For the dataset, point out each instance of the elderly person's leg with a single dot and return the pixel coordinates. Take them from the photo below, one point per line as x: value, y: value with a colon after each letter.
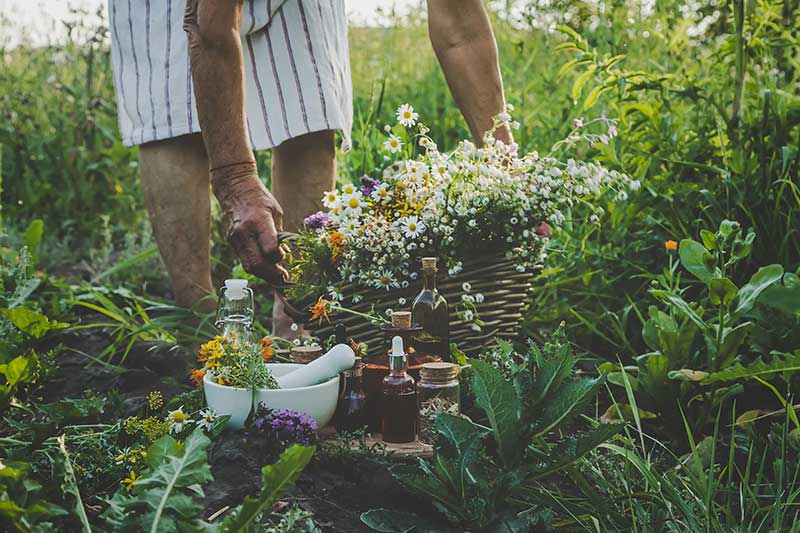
x: 303, y: 168
x: 175, y: 181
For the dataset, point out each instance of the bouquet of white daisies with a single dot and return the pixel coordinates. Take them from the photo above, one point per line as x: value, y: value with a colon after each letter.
x: 472, y: 200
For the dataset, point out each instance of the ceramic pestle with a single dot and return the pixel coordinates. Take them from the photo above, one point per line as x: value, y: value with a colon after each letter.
x: 339, y: 358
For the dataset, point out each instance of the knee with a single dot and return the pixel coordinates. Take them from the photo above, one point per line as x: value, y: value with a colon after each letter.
x: 314, y: 145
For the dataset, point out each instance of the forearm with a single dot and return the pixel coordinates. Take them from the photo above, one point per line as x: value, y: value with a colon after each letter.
x: 462, y: 39
x: 215, y: 53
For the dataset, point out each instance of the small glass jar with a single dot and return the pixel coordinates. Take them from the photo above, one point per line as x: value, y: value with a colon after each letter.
x: 438, y: 391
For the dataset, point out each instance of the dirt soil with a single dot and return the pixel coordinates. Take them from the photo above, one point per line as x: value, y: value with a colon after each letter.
x: 336, y: 489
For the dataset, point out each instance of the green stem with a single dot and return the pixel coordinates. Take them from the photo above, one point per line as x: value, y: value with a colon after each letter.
x: 738, y: 91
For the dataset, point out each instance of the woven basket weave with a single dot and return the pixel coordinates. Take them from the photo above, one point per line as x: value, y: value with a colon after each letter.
x: 505, y: 292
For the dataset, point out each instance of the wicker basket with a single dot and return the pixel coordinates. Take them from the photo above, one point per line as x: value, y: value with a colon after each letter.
x: 505, y: 293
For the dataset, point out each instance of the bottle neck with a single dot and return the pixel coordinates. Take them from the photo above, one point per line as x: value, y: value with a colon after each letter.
x: 397, y: 365
x: 237, y: 327
x: 429, y: 279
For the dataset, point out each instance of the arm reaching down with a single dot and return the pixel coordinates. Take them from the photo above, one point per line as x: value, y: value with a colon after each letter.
x: 251, y: 214
x: 462, y: 38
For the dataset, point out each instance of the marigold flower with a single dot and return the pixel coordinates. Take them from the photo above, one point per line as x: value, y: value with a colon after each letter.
x: 266, y: 349
x: 671, y: 245
x: 336, y: 238
x: 320, y: 310
x: 197, y: 376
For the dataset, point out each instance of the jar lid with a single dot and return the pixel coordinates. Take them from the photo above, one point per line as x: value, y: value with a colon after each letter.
x: 305, y: 354
x: 439, y: 371
x: 401, y: 319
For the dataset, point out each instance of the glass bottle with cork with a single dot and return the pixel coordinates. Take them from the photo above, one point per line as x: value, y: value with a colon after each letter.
x: 399, y: 399
x: 429, y: 310
x: 438, y: 391
x: 351, y: 409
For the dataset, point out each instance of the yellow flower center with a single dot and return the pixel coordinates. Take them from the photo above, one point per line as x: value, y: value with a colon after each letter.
x: 354, y: 202
x: 407, y: 114
x: 331, y: 197
x: 382, y: 193
x: 412, y: 227
x: 178, y: 417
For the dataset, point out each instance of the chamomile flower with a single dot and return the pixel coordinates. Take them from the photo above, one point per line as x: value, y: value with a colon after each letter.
x: 393, y: 144
x: 207, y: 418
x: 331, y: 199
x: 348, y: 189
x: 177, y: 420
x: 381, y: 193
x: 353, y: 204
x: 406, y: 115
x: 412, y: 226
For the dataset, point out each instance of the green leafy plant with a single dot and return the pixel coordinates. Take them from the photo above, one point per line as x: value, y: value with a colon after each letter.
x: 700, y: 341
x: 486, y: 477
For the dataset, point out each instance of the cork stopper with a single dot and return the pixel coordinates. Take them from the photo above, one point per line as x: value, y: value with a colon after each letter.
x: 401, y: 319
x: 439, y: 372
x: 428, y: 263
x: 305, y: 354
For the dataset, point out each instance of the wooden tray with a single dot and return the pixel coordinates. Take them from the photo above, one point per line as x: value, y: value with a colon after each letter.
x: 396, y: 451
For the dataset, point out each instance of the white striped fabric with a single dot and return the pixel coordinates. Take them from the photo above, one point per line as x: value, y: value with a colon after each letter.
x: 296, y: 59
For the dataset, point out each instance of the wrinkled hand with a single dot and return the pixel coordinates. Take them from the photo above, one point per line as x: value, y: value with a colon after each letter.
x: 252, y: 218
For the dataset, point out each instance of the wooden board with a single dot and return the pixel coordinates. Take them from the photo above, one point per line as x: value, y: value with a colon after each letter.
x: 399, y: 451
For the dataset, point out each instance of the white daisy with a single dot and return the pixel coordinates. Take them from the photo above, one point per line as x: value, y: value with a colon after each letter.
x: 348, y: 189
x: 381, y: 193
x: 412, y: 226
x: 353, y: 204
x: 406, y: 115
x: 207, y: 418
x: 393, y: 144
x: 177, y: 420
x: 331, y: 199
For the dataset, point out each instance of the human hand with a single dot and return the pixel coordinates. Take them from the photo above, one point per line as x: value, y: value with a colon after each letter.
x: 252, y: 218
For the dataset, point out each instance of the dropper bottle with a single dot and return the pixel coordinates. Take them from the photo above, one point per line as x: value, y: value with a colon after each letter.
x: 399, y: 398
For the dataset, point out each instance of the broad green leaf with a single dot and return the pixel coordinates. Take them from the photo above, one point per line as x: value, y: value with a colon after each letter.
x: 18, y: 370
x: 571, y: 449
x: 423, y: 481
x: 785, y: 297
x: 687, y: 374
x: 71, y: 484
x: 30, y: 322
x: 695, y: 259
x: 566, y: 402
x: 731, y: 342
x: 551, y: 370
x: 762, y: 279
x: 497, y: 398
x: 758, y: 368
x: 681, y: 305
x: 464, y: 440
x: 275, y: 479
x: 391, y: 521
x: 709, y: 239
x: 722, y: 291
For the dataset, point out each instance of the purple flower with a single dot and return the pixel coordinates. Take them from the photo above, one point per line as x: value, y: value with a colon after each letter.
x: 288, y: 427
x: 316, y: 221
x: 368, y: 185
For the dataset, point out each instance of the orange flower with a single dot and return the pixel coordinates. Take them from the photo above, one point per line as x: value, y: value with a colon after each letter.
x: 336, y: 239
x: 320, y: 310
x: 671, y: 245
x: 266, y: 349
x: 197, y: 376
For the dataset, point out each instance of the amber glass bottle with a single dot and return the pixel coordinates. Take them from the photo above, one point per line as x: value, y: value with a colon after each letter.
x: 399, y: 399
x: 351, y: 410
x: 429, y: 310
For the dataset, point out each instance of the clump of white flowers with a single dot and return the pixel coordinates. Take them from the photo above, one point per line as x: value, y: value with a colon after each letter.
x: 472, y: 200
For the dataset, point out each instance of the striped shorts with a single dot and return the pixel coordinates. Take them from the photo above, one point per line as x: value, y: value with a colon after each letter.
x: 296, y: 59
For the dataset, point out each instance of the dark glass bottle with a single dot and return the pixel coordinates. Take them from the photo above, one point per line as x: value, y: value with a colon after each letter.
x: 340, y: 334
x: 399, y: 399
x: 351, y: 410
x: 429, y: 310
